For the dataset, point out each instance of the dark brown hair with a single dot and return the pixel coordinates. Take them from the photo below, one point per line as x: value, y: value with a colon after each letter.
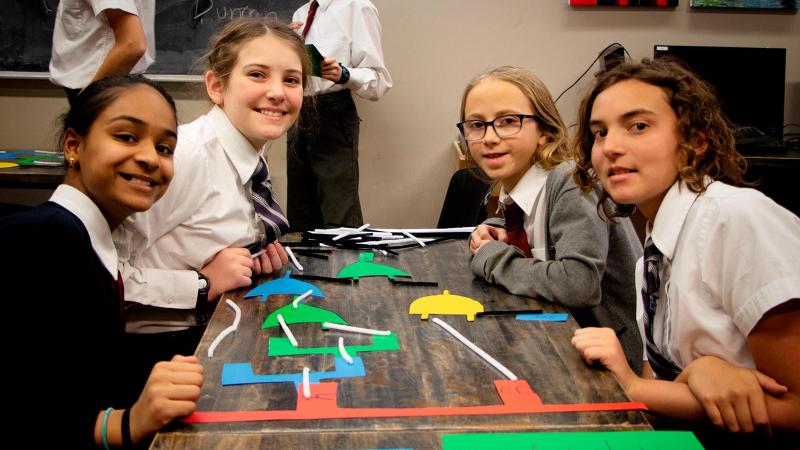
x: 699, y: 118
x: 96, y: 97
x: 225, y: 44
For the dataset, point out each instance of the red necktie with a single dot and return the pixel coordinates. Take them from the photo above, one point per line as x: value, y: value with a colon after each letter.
x: 515, y: 228
x: 312, y: 11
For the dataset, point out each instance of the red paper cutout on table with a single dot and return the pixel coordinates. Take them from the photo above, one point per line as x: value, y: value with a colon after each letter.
x: 517, y: 397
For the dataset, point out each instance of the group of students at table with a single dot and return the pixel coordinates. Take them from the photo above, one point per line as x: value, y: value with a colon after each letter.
x: 711, y: 311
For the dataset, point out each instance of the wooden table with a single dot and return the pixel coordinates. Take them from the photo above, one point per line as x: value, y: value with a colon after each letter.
x: 32, y: 177
x: 431, y: 368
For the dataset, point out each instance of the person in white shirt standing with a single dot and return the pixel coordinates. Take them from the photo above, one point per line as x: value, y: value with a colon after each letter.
x: 322, y: 162
x: 94, y: 39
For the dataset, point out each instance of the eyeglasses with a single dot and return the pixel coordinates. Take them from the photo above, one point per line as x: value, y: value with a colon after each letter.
x: 504, y: 126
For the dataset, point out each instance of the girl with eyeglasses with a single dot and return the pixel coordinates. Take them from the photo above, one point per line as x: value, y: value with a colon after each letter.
x: 551, y: 245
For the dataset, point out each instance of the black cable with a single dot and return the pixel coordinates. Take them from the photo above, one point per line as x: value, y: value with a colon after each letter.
x: 590, y: 67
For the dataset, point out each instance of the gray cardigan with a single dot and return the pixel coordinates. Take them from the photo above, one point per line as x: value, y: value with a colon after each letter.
x: 590, y: 266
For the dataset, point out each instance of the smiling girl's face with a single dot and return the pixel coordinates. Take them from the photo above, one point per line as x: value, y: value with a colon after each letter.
x: 503, y: 159
x: 124, y: 163
x: 263, y: 95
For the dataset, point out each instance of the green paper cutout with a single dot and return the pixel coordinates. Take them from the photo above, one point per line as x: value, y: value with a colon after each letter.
x: 366, y: 268
x: 280, y: 346
x: 595, y: 440
x: 302, y: 314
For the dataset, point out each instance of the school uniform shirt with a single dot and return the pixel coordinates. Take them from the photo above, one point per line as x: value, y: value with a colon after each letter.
x: 527, y: 194
x: 82, y: 37
x: 207, y: 207
x: 350, y: 32
x: 587, y: 264
x: 63, y: 327
x: 729, y: 255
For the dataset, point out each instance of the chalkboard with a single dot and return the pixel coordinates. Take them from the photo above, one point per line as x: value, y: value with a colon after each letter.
x: 183, y: 28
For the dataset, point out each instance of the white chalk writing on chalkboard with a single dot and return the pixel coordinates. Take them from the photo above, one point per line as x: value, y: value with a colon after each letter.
x: 183, y: 28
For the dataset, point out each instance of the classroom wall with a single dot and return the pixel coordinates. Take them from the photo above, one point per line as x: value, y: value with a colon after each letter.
x: 432, y: 49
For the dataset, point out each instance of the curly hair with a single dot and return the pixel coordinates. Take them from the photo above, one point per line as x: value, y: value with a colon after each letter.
x: 556, y: 150
x: 699, y: 119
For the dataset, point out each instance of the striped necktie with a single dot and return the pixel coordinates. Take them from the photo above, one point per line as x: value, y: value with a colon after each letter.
x: 266, y: 207
x: 663, y: 367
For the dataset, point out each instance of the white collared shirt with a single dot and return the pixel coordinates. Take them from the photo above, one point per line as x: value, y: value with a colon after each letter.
x: 82, y: 37
x: 93, y: 220
x: 350, y: 32
x: 730, y: 255
x: 528, y: 194
x: 207, y: 207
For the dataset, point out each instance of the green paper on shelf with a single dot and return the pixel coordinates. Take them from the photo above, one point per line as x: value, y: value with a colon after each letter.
x: 280, y: 346
x: 302, y: 314
x: 366, y: 268
x: 595, y: 440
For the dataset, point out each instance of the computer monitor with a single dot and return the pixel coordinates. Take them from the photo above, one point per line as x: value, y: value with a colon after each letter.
x: 750, y: 82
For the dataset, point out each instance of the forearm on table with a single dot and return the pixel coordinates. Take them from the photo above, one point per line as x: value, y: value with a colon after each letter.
x: 568, y: 282
x: 165, y: 288
x: 667, y: 398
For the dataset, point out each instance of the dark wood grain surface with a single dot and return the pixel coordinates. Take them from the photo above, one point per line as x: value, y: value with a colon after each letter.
x: 431, y: 368
x: 32, y: 177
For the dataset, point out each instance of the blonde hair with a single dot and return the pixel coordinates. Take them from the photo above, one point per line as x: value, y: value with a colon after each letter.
x: 555, y: 151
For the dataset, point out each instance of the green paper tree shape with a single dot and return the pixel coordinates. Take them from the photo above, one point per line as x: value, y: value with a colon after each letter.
x: 366, y: 268
x: 302, y: 314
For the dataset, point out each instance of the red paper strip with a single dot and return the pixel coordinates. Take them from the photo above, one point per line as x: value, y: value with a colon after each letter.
x: 517, y: 397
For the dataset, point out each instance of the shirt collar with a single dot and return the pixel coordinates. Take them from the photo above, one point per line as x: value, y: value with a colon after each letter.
x: 239, y: 150
x: 527, y: 189
x: 324, y: 4
x: 671, y: 216
x: 96, y: 224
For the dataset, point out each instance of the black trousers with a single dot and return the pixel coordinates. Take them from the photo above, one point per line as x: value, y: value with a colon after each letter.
x: 322, y: 165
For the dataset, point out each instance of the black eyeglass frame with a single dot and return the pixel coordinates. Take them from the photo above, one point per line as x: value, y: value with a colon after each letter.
x: 490, y: 123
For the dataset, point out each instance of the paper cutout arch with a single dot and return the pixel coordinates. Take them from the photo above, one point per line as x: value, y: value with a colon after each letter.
x: 446, y: 304
x: 302, y: 314
x: 366, y: 268
x: 283, y: 285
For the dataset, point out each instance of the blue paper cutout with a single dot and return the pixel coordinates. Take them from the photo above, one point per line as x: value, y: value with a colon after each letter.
x: 242, y: 373
x: 283, y: 285
x: 551, y: 317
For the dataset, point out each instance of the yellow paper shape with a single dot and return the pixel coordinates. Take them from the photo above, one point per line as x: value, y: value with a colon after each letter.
x: 445, y: 304
x: 7, y: 165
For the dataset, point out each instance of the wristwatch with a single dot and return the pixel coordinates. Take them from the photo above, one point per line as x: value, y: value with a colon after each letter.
x: 203, y: 286
x: 345, y: 75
